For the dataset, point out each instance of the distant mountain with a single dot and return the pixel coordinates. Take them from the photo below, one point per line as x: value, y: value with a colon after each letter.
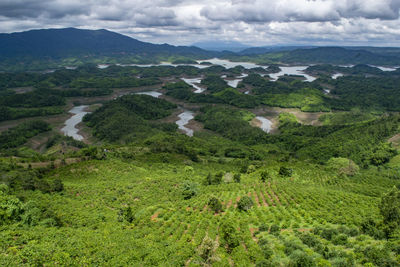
x: 338, y: 55
x: 220, y: 46
x: 56, y: 43
x: 270, y: 49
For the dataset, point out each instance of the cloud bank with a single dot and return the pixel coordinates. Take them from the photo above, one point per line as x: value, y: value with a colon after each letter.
x: 254, y: 22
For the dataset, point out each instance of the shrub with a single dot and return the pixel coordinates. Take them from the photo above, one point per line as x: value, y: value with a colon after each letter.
x: 340, y: 239
x: 228, y: 177
x: 243, y: 169
x: 214, y: 180
x: 265, y: 263
x: 206, y: 251
x: 10, y: 208
x: 125, y: 214
x: 378, y: 256
x: 215, y: 205
x: 229, y: 235
x: 390, y: 210
x: 245, y: 203
x: 300, y: 259
x: 275, y: 229
x: 43, y: 186
x: 291, y: 246
x: 370, y: 227
x: 58, y: 185
x: 342, y: 166
x: 285, y: 171
x: 265, y: 176
x: 263, y: 228
x: 267, y: 252
x: 310, y: 240
x: 329, y: 233
x: 28, y: 183
x: 237, y: 178
x: 189, y: 189
x: 32, y: 214
x: 251, y: 169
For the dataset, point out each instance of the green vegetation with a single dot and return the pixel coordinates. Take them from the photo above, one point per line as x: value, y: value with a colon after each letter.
x: 18, y: 135
x: 130, y: 117
x: 137, y: 192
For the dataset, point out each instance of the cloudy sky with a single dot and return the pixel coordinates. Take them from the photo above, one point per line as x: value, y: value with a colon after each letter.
x: 253, y: 22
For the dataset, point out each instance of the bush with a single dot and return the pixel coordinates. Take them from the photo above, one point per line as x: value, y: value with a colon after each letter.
x: 265, y: 176
x: 228, y: 178
x: 390, y: 210
x: 230, y: 235
x: 207, y: 251
x: 215, y: 205
x: 43, y: 186
x: 342, y: 166
x: 58, y: 185
x: 237, y: 178
x: 265, y: 263
x: 378, y: 256
x: 263, y: 228
x: 28, y: 183
x: 245, y: 203
x: 310, y: 240
x: 329, y: 233
x: 275, y: 229
x: 10, y: 208
x: 125, y: 214
x: 214, y: 180
x: 300, y: 259
x: 189, y: 189
x: 285, y: 171
x: 370, y: 227
x: 340, y: 239
x: 243, y: 169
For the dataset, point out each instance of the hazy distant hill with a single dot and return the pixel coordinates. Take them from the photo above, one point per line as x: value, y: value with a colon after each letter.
x: 73, y: 42
x: 270, y: 49
x: 339, y: 55
x: 222, y: 46
x: 320, y: 55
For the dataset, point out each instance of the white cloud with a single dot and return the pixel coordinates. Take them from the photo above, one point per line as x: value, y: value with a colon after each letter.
x: 254, y: 22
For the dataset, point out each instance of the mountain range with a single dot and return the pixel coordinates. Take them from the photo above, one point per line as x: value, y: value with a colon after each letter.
x: 51, y: 48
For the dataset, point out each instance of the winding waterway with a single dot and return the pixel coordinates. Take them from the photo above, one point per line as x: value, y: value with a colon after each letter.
x: 266, y: 124
x: 184, y: 119
x: 194, y: 82
x: 234, y: 83
x: 150, y: 93
x: 70, y: 125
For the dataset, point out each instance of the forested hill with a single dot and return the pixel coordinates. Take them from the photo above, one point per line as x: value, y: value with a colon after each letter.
x: 321, y: 55
x: 75, y: 42
x: 339, y: 55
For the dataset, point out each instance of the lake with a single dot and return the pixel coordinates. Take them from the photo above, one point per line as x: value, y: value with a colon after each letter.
x: 294, y: 70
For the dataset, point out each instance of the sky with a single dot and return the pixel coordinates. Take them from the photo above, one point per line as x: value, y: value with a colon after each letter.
x: 183, y: 22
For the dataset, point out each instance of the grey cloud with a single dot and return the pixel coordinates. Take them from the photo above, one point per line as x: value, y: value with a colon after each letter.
x: 48, y: 8
x: 255, y: 22
x: 301, y: 10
